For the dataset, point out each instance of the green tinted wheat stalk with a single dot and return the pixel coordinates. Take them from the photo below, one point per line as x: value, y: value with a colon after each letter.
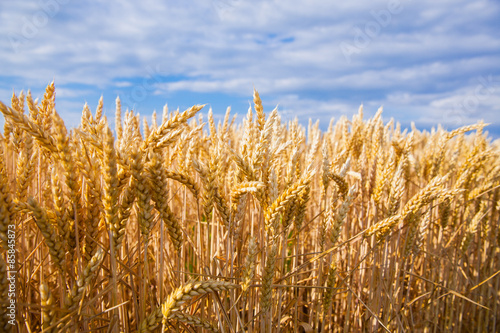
x: 267, y: 279
x: 328, y: 294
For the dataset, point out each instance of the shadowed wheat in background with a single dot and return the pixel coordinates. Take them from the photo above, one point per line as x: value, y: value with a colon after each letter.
x: 255, y: 227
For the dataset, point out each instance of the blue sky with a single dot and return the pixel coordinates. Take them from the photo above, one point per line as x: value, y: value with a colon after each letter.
x: 423, y: 61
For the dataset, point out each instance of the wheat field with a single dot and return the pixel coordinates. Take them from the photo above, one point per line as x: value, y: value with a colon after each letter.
x: 180, y: 224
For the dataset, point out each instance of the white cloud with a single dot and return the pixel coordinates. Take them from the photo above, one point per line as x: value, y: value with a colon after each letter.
x: 422, y: 57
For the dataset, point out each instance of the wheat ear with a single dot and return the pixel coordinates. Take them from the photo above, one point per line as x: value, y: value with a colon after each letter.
x: 183, y: 294
x: 271, y: 214
x: 157, y: 137
x: 423, y: 197
x: 261, y: 116
x: 24, y: 170
x: 48, y: 314
x: 267, y: 279
x: 194, y: 321
x: 84, y: 278
x: 110, y: 188
x: 330, y: 284
x: 249, y: 269
x: 145, y: 209
x: 158, y: 185
x: 21, y: 120
x: 52, y: 239
x: 337, y: 220
x: 185, y: 180
x: 472, y: 228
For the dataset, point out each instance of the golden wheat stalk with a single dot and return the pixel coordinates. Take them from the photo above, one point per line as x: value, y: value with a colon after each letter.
x: 21, y: 120
x: 191, y: 289
x: 83, y: 280
x: 52, y: 239
x: 158, y: 185
x: 157, y: 138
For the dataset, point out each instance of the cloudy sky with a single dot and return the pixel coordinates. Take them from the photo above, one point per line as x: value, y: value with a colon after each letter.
x: 423, y: 61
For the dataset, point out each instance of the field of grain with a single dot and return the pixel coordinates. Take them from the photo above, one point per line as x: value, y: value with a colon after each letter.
x: 180, y: 224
